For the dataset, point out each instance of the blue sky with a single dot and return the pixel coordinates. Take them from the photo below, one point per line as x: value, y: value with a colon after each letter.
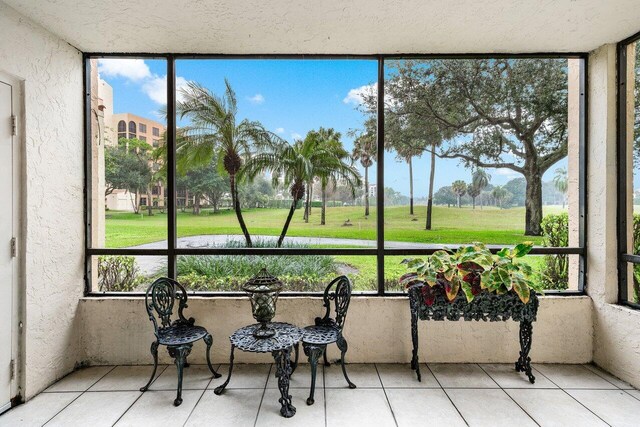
x: 290, y: 97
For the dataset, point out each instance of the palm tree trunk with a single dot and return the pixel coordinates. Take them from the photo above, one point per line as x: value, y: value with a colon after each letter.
x: 236, y: 208
x: 292, y: 209
x: 307, y: 200
x: 366, y: 191
x: 410, y: 186
x: 431, y: 177
x: 323, y: 212
x: 473, y: 202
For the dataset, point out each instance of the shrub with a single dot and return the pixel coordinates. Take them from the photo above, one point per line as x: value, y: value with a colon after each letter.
x: 555, y: 271
x: 229, y: 273
x: 117, y: 273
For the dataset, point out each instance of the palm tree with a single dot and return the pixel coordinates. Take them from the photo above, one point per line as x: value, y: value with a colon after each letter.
x: 479, y: 181
x: 329, y: 139
x: 335, y: 168
x: 500, y: 194
x: 214, y: 132
x: 295, y: 163
x: 365, y: 150
x: 459, y: 187
x: 561, y: 182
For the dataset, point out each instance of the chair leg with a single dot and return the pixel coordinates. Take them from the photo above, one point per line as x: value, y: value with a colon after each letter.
x: 208, y: 339
x: 313, y: 352
x: 154, y: 353
x: 180, y: 353
x: 326, y: 361
x: 342, y: 345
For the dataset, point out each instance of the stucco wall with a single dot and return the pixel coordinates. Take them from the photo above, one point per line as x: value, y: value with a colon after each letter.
x: 616, y: 331
x: 52, y: 241
x: 378, y: 330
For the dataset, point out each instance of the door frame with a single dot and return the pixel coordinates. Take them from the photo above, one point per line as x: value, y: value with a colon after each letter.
x: 18, y: 291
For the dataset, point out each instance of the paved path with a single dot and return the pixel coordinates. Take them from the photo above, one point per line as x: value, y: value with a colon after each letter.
x: 217, y: 240
x: 149, y: 265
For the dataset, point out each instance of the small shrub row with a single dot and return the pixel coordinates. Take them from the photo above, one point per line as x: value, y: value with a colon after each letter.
x: 118, y: 273
x: 555, y: 270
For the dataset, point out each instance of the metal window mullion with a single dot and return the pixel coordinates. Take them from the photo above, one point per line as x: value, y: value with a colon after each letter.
x: 380, y: 178
x: 86, y: 98
x: 171, y: 166
x: 582, y: 174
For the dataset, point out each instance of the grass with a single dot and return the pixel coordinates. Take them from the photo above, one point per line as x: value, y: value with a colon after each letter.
x: 450, y: 225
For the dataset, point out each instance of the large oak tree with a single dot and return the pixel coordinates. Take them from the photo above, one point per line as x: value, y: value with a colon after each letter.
x: 494, y: 113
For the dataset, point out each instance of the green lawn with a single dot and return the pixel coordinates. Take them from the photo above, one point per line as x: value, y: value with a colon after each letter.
x: 450, y: 225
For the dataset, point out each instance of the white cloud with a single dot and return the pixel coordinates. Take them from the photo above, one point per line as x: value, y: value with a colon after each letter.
x: 295, y: 136
x: 131, y: 69
x: 257, y: 99
x: 279, y: 130
x: 137, y: 71
x: 156, y: 88
x: 356, y: 96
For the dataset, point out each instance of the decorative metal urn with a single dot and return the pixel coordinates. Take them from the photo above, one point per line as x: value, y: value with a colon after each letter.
x: 263, y: 291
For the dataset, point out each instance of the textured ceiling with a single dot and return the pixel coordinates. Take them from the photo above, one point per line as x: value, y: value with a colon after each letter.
x: 335, y: 26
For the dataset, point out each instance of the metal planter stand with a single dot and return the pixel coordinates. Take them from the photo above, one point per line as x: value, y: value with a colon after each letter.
x: 485, y: 306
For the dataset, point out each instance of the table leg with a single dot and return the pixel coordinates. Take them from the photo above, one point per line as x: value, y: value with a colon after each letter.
x: 218, y: 390
x: 283, y: 373
x: 294, y: 365
x: 524, y: 361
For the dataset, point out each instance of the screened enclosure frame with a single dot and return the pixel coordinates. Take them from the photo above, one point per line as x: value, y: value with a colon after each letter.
x: 621, y: 112
x: 380, y: 252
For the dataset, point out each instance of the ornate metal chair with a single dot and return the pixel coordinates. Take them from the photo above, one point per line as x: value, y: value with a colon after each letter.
x: 177, y: 335
x: 327, y: 330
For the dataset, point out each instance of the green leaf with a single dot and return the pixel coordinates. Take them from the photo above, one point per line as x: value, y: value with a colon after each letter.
x: 413, y: 263
x: 452, y: 288
x: 520, y: 287
x: 486, y: 279
x: 503, y: 253
x: 485, y: 261
x: 436, y: 263
x: 466, y: 288
x: 522, y: 249
x: 450, y: 274
x: 430, y: 279
x: 503, y: 275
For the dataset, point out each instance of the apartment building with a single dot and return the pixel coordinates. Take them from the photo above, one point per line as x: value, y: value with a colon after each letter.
x: 130, y: 126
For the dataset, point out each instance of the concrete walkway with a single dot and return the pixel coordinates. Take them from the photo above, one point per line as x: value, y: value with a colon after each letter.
x: 151, y: 264
x: 217, y: 240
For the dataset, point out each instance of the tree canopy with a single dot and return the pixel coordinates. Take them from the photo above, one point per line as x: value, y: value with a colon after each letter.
x: 493, y: 113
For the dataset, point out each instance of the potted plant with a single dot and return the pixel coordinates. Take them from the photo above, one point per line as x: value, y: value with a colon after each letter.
x: 471, y: 283
x: 472, y: 270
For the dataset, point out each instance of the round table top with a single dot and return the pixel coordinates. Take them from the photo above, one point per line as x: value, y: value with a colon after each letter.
x: 286, y: 335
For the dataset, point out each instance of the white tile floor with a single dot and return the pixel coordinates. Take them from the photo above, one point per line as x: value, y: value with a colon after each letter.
x: 387, y: 395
